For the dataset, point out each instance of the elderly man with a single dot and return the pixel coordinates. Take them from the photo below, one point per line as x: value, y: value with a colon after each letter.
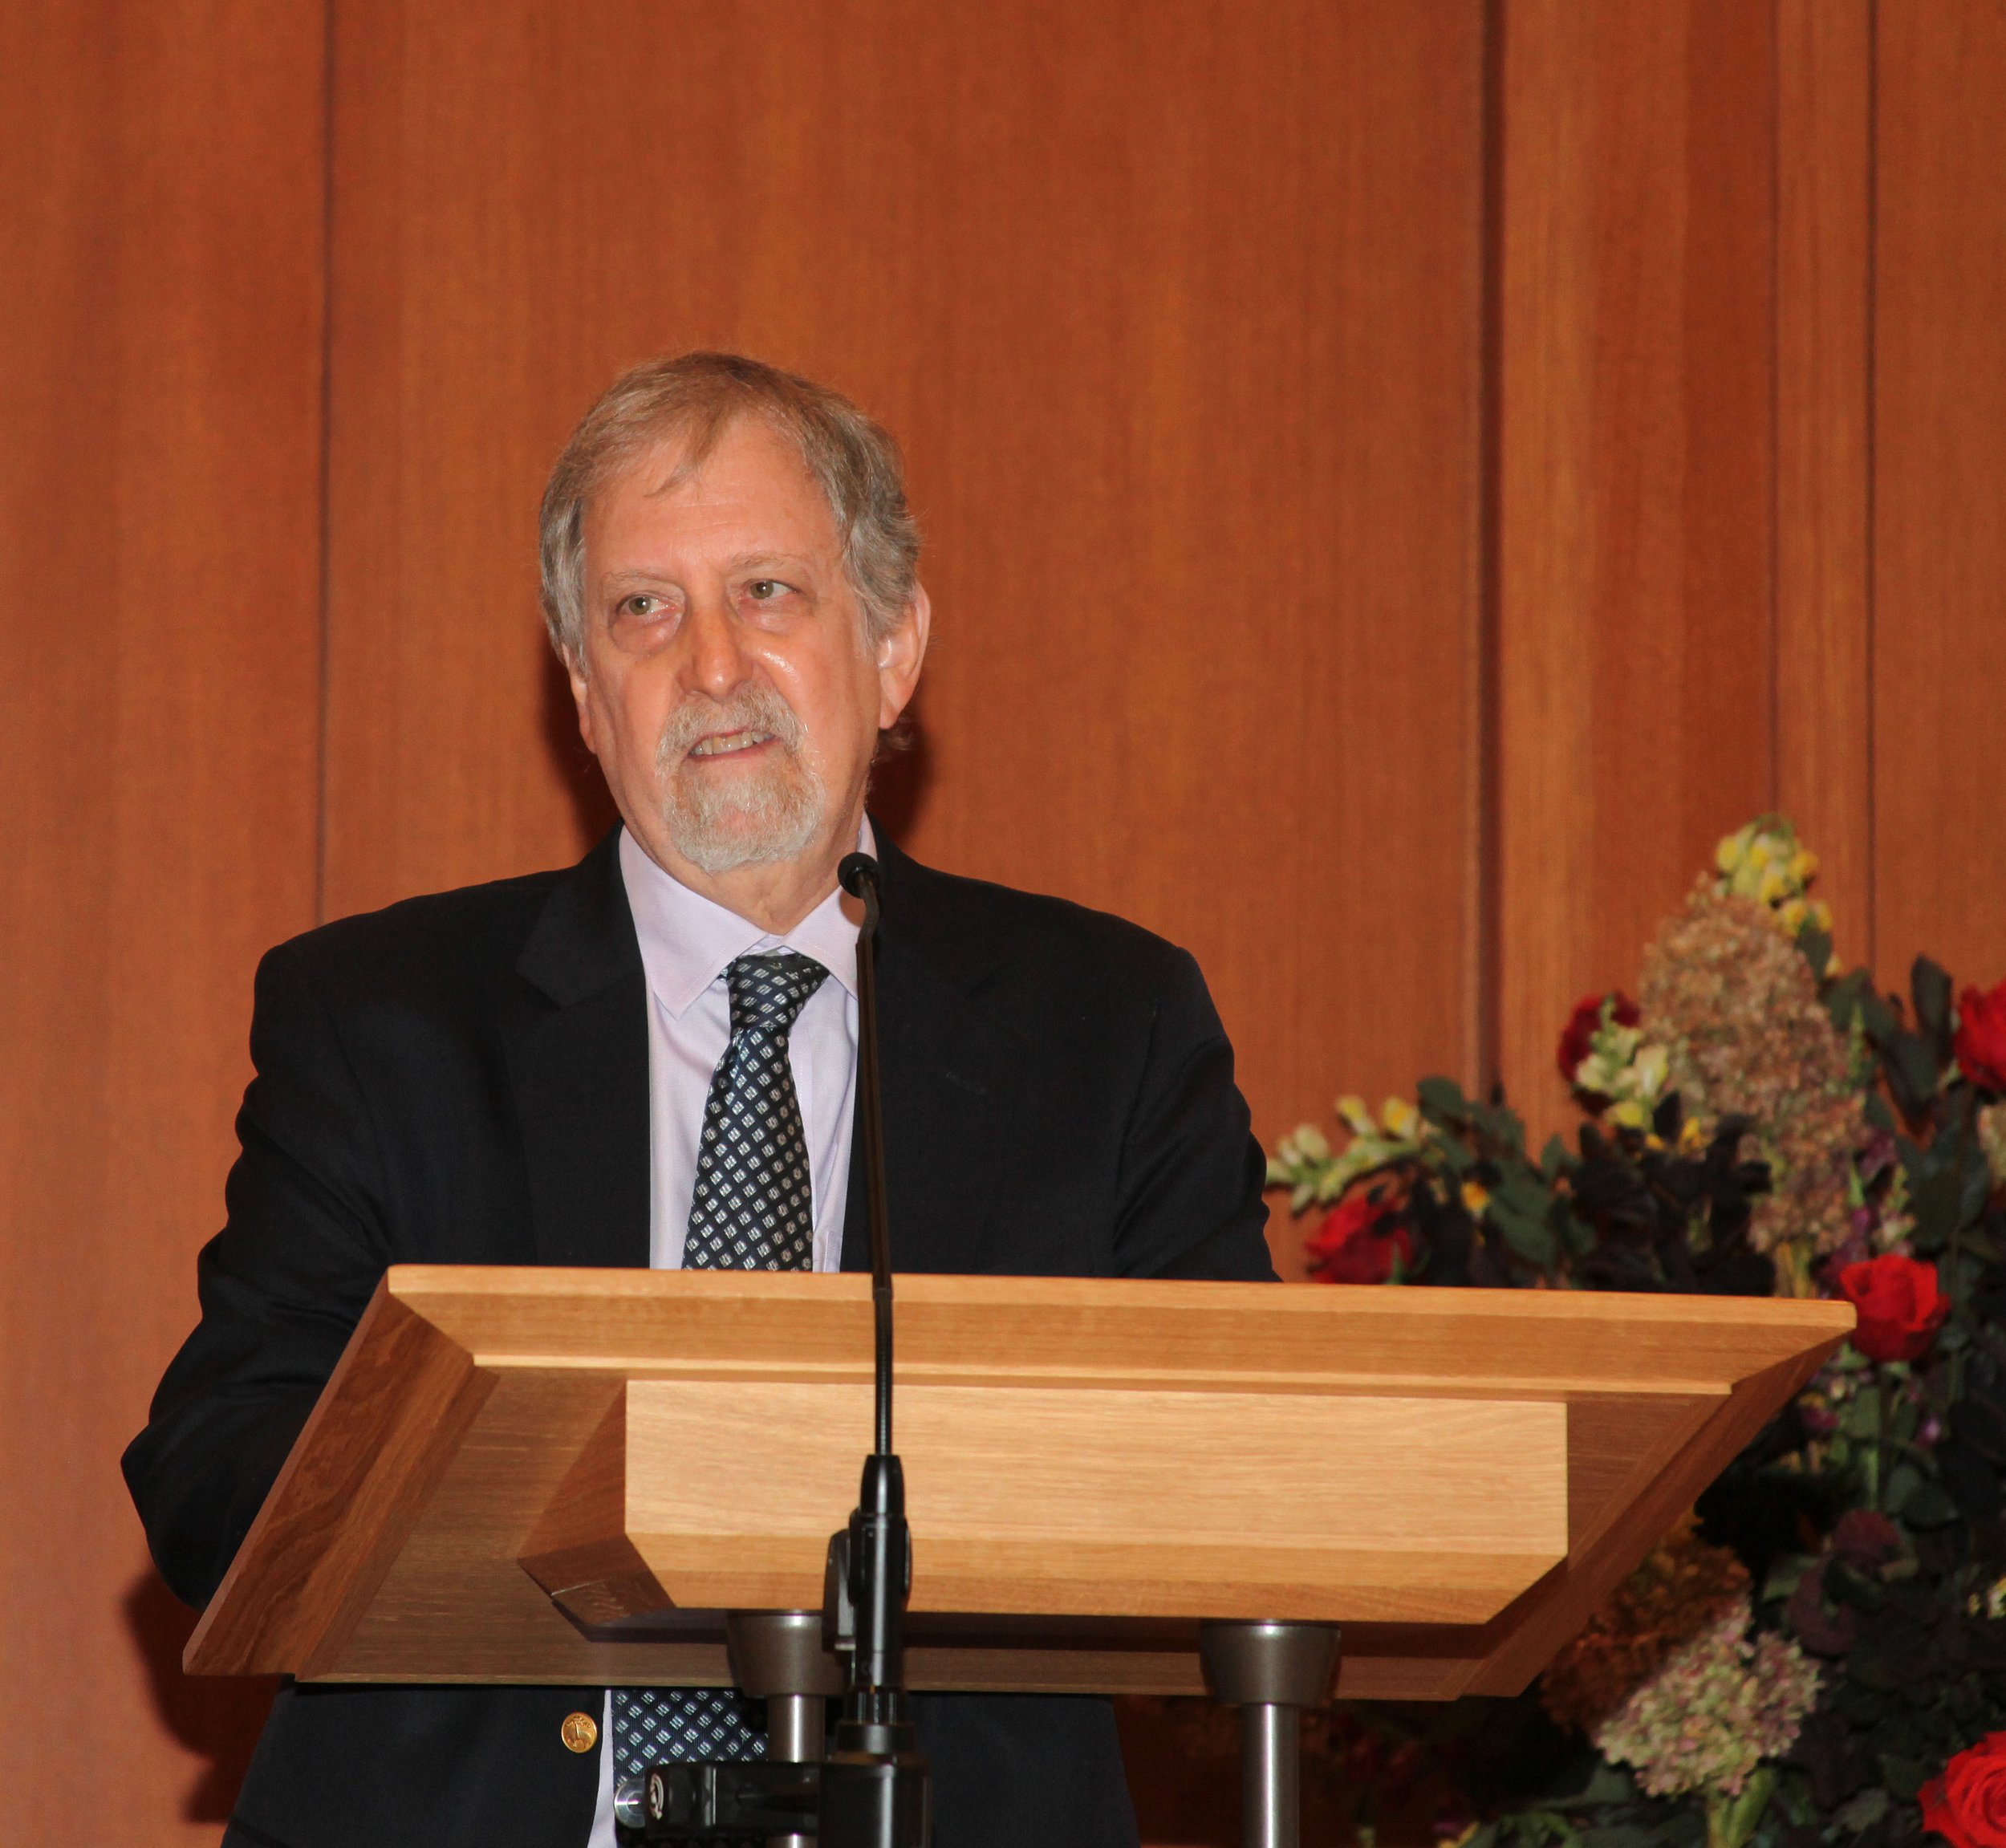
x: 650, y: 1058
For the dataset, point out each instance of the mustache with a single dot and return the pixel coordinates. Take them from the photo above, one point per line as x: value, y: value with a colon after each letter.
x: 752, y: 708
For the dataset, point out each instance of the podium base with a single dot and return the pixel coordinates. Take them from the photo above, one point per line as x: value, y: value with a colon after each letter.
x: 1271, y: 1673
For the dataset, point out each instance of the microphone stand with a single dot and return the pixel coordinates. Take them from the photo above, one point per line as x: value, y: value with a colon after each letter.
x: 872, y: 1791
x: 875, y: 1791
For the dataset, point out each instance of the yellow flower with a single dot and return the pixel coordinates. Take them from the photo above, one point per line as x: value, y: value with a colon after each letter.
x: 1307, y: 1144
x: 1401, y: 1118
x: 1821, y: 914
x: 1357, y: 1117
x: 1728, y: 855
x: 1804, y: 867
x: 1692, y: 1137
x: 1794, y: 915
x: 1475, y: 1198
x: 1628, y: 1114
x: 1774, y: 886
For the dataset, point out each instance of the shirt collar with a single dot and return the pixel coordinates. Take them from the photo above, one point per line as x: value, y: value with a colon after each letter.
x: 688, y: 941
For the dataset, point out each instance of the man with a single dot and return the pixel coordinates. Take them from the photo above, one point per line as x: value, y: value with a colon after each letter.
x: 651, y: 1058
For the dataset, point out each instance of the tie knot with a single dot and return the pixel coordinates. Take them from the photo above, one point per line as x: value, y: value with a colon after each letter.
x: 770, y: 991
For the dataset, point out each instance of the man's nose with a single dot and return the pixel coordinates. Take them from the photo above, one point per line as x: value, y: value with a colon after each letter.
x: 714, y: 660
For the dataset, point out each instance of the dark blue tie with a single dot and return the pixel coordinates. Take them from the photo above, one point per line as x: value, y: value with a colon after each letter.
x: 753, y: 1209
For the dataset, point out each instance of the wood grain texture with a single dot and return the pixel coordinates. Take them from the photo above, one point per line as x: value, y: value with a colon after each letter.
x: 1175, y: 310
x: 1083, y: 1455
x: 1824, y: 319
x: 1939, y: 516
x: 344, y: 1501
x: 1636, y: 471
x: 1080, y: 1501
x: 160, y: 389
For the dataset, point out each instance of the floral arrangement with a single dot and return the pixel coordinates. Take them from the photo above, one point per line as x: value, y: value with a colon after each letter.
x: 1818, y: 1655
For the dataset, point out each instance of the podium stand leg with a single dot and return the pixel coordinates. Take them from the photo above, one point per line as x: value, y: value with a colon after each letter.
x: 1271, y: 1673
x: 779, y: 1654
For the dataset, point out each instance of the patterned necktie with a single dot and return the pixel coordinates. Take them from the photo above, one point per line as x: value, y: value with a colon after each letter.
x: 753, y: 1209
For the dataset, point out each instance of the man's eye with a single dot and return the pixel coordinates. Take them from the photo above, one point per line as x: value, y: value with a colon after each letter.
x: 763, y: 590
x: 639, y: 605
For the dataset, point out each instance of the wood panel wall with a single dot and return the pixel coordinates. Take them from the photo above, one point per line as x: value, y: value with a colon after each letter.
x: 1753, y: 263
x: 1637, y: 477
x: 160, y: 567
x: 1400, y: 481
x: 1177, y: 312
x: 1939, y: 617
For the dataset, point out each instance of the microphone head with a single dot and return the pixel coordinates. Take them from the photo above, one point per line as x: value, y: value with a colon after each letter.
x: 857, y: 872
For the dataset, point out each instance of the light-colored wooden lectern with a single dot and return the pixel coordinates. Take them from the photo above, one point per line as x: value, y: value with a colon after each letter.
x: 574, y: 1476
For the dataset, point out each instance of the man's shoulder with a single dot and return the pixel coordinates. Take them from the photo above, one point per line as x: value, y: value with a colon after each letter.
x: 433, y: 942
x: 970, y: 922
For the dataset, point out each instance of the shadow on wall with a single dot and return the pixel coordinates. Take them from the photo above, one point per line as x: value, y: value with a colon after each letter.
x: 898, y: 788
x: 217, y: 1718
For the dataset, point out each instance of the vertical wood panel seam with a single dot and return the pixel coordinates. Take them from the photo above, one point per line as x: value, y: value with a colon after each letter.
x: 1485, y: 957
x: 1871, y: 538
x: 323, y: 627
x: 1776, y: 404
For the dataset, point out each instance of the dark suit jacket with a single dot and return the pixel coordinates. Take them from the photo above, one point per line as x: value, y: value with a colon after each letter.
x: 463, y: 1079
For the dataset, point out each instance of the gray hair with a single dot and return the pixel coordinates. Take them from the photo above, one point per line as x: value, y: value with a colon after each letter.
x: 696, y: 396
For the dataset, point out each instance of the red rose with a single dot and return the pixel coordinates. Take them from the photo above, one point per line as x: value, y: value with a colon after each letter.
x: 1980, y: 1045
x: 1577, y: 1041
x: 1359, y: 1241
x: 1967, y: 1805
x: 1900, y: 1307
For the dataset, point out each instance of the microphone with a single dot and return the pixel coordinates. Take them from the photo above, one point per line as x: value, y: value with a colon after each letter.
x: 875, y: 1785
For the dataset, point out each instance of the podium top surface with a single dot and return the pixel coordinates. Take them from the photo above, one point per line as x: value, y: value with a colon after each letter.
x: 567, y: 1474
x: 1324, y: 1338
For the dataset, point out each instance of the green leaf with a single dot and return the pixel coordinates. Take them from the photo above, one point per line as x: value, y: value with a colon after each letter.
x: 1607, y: 1784
x: 1529, y: 1236
x: 1902, y: 1482
x: 1739, y: 1814
x: 1459, y: 1158
x: 1911, y: 1068
x: 1861, y: 1418
x: 1903, y: 1777
x: 1929, y: 987
x: 1937, y: 1201
x: 1877, y: 1016
x: 1554, y: 1160
x: 1816, y: 946
x: 1785, y: 1575
x: 1442, y: 1101
x: 1929, y: 1507
x: 1845, y: 1000
x: 1573, y: 1231
x: 1522, y: 1189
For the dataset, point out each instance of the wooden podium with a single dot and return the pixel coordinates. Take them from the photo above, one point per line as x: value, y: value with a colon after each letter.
x: 573, y: 1476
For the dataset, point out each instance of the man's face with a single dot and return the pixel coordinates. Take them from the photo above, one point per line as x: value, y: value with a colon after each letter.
x: 728, y: 689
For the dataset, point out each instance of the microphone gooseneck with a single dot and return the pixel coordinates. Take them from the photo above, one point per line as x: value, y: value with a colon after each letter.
x: 875, y: 1785
x: 858, y: 874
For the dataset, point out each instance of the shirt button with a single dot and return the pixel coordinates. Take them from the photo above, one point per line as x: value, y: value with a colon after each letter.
x: 580, y: 1732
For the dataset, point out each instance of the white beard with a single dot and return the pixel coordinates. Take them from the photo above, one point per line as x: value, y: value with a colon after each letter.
x: 744, y: 817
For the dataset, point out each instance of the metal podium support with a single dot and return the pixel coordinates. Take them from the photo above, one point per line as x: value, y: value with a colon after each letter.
x: 778, y: 1655
x: 1271, y: 1673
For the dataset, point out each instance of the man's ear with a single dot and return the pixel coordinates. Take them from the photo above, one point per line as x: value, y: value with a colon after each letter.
x: 899, y: 657
x: 574, y: 672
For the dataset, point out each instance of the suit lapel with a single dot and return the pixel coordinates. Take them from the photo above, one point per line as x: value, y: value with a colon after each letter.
x: 578, y: 1062
x: 942, y: 1061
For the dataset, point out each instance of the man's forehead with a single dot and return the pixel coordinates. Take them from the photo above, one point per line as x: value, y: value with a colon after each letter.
x: 693, y: 457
